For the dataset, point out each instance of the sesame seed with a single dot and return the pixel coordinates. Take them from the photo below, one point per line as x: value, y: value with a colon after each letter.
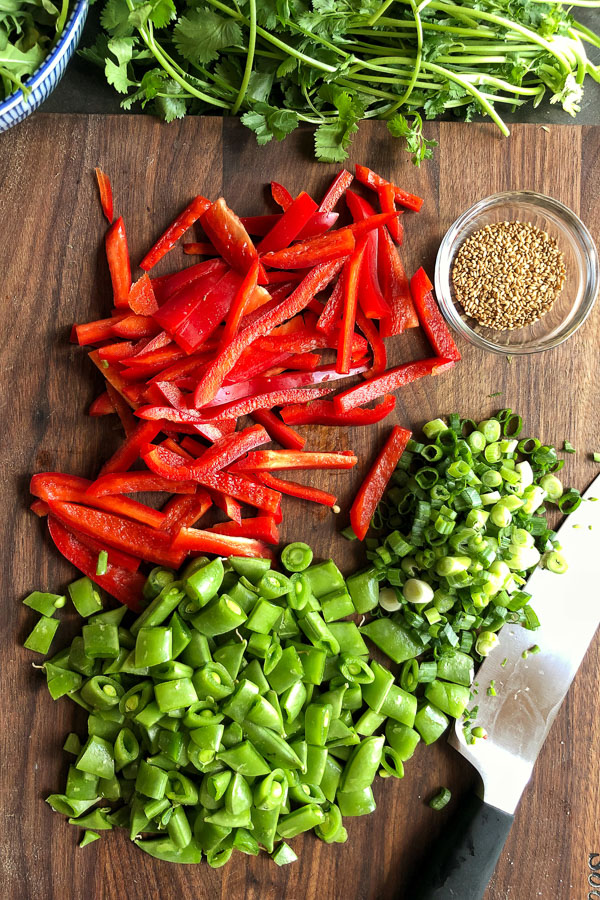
x: 508, y: 274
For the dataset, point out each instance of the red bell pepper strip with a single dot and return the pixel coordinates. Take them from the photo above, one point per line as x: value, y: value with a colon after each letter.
x: 389, y: 381
x: 240, y: 303
x: 117, y: 352
x: 314, y: 252
x: 229, y: 448
x: 139, y: 540
x: 372, y: 488
x: 190, y: 365
x: 106, y: 195
x: 169, y: 464
x: 351, y: 277
x: 136, y: 327
x: 196, y: 541
x: 387, y: 201
x: 129, y: 451
x: 292, y: 459
x: 199, y: 248
x: 322, y: 412
x: 396, y: 289
x: 337, y: 189
x: 247, y: 405
x: 287, y: 381
x: 181, y: 302
x: 40, y: 508
x: 370, y: 297
x: 294, y: 219
x: 118, y: 262
x: 111, y: 375
x: 101, y: 406
x: 377, y: 346
x: 303, y: 362
x: 430, y: 317
x: 277, y: 430
x: 125, y: 586
x: 116, y: 557
x: 162, y: 339
x: 96, y: 332
x: 176, y: 229
x: 58, y: 486
x: 137, y: 482
x: 261, y: 528
x: 122, y: 409
x: 378, y: 220
x: 169, y: 392
x: 319, y: 223
x: 317, y: 279
x: 281, y: 195
x: 166, y: 286
x: 371, y: 179
x: 141, y: 297
x: 226, y: 232
x: 332, y: 311
x: 206, y: 316
x: 293, y: 489
x: 156, y: 359
x: 185, y: 510
x: 230, y: 507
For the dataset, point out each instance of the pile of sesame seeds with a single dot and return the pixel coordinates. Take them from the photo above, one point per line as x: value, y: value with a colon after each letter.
x: 508, y: 274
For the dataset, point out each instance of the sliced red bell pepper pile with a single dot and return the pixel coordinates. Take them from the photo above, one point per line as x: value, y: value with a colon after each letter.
x: 372, y: 488
x: 247, y: 331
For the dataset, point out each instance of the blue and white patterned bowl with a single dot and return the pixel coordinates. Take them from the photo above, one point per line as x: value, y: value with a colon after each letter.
x: 16, y: 107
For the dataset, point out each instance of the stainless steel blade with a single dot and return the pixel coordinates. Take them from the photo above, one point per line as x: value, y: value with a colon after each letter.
x: 530, y: 691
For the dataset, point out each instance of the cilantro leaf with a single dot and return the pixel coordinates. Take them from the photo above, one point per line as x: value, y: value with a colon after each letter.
x: 267, y: 122
x: 114, y: 18
x: 416, y: 143
x: 202, y: 34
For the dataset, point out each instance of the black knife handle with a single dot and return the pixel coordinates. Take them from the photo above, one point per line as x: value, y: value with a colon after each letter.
x: 463, y: 861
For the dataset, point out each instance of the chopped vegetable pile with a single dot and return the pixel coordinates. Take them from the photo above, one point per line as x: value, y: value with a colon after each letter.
x: 462, y: 527
x: 29, y: 29
x: 235, y: 712
x: 331, y: 63
x: 186, y: 355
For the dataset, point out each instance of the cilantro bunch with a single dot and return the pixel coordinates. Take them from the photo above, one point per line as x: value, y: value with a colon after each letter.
x: 331, y: 63
x: 28, y: 30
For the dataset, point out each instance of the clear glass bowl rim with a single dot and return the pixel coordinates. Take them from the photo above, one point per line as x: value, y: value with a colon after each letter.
x: 448, y: 247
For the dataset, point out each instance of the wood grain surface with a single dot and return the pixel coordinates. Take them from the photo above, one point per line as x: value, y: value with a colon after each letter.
x: 53, y: 272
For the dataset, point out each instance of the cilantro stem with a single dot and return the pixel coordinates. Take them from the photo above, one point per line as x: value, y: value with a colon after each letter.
x: 379, y: 12
x: 62, y: 18
x: 468, y: 86
x: 418, y: 59
x: 249, y: 59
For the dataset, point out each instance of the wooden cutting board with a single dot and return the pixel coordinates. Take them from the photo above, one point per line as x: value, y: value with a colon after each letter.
x: 53, y: 273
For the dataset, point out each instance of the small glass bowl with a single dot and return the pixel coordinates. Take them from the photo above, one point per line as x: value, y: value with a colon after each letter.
x: 572, y: 306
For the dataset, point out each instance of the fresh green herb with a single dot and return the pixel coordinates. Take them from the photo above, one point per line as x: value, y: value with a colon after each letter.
x: 568, y: 447
x: 332, y: 63
x: 29, y: 29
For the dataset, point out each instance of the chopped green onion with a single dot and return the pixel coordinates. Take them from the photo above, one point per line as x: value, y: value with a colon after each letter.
x: 568, y: 447
x: 441, y: 799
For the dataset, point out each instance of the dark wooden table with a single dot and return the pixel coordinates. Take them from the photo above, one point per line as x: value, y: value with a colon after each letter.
x: 53, y: 273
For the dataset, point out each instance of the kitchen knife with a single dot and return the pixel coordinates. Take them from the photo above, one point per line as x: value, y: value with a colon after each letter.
x: 529, y: 693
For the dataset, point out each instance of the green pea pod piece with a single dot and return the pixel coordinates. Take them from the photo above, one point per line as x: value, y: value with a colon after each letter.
x: 81, y: 785
x: 174, y: 695
x: 245, y: 759
x: 452, y: 699
x: 271, y: 585
x: 393, y: 639
x: 96, y: 758
x: 457, y: 667
x: 114, y: 666
x: 213, y: 788
x: 66, y: 683
x: 264, y: 713
x: 402, y: 739
x: 292, y: 700
x: 239, y: 703
x: 317, y: 721
x: 252, y: 568
x: 197, y: 653
x: 126, y: 748
x: 352, y: 698
x: 67, y: 806
x: 324, y: 578
x: 375, y: 693
x: 245, y: 842
x: 361, y: 768
x: 226, y: 819
x: 316, y: 761
x: 207, y: 835
x: 349, y: 638
x: 341, y: 735
x: 203, y: 584
x: 79, y: 661
x: 178, y: 828
x: 221, y: 856
x: 165, y: 849
x: 202, y: 712
x: 151, y: 781
x: 253, y: 672
x: 271, y: 791
x: 391, y: 763
x: 181, y: 789
x: 158, y: 579
x: 264, y: 823
x: 304, y: 793
x: 356, y: 803
x: 337, y: 605
x: 300, y: 820
x: 232, y: 735
x: 300, y: 591
x: 198, y: 562
x: 369, y: 722
x: 431, y: 723
x: 335, y: 698
x: 160, y: 609
x: 212, y: 680
x: 231, y: 656
x: 172, y: 744
x: 287, y: 672
x: 238, y: 796
x: 220, y: 616
x: 243, y: 596
x: 329, y: 830
x: 181, y: 634
x: 364, y: 590
x: 272, y: 746
x: 96, y: 819
x: 153, y: 645
x: 101, y: 692
x: 318, y: 633
x: 400, y: 705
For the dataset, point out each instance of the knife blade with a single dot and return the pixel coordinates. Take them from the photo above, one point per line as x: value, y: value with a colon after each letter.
x: 529, y: 693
